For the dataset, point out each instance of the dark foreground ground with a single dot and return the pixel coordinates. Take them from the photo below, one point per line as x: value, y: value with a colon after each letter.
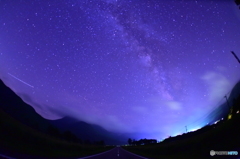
x: 20, y: 141
x: 224, y: 136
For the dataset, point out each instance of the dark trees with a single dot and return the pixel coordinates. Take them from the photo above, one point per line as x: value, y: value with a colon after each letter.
x: 141, y: 141
x: 101, y: 143
x: 130, y: 141
x: 53, y: 131
x: 69, y: 136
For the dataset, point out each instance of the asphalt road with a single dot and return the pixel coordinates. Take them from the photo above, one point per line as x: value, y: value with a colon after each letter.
x: 115, y: 153
x: 5, y: 157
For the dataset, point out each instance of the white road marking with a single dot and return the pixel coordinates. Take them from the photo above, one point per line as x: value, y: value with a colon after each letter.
x: 6, y: 157
x: 96, y: 154
x: 135, y: 154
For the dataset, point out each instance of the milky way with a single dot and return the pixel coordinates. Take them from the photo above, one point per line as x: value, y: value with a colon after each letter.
x: 146, y: 67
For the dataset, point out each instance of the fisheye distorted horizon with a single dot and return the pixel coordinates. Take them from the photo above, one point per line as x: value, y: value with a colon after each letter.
x: 147, y: 67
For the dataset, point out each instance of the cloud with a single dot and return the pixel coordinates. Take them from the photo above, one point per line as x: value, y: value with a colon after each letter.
x: 112, y: 123
x: 217, y: 83
x: 174, y: 105
x: 108, y: 122
x: 46, y: 111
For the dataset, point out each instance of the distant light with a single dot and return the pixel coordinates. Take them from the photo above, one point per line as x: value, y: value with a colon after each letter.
x: 237, y: 111
x: 230, y: 116
x: 176, y: 134
x: 194, y: 129
x: 222, y: 118
x: 216, y: 122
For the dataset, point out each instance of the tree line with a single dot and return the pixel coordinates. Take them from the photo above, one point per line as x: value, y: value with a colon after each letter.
x: 145, y: 141
x: 71, y: 137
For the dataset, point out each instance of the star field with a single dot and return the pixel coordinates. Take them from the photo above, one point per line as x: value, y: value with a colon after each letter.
x: 146, y: 67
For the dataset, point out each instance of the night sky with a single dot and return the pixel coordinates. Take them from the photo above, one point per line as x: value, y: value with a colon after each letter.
x: 142, y: 66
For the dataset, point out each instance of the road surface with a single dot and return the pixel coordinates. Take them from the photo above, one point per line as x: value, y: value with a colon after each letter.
x: 115, y: 153
x: 5, y: 157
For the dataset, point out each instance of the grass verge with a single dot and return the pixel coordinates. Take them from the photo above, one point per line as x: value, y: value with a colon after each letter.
x: 17, y: 138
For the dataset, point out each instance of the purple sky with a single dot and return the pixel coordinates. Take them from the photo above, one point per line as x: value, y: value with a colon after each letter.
x: 149, y: 67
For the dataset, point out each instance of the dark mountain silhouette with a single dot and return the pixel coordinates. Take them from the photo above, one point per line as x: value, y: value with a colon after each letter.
x: 223, y: 110
x: 12, y: 104
x: 88, y: 131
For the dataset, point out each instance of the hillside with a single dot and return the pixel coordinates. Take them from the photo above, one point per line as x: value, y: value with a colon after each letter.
x: 12, y: 104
